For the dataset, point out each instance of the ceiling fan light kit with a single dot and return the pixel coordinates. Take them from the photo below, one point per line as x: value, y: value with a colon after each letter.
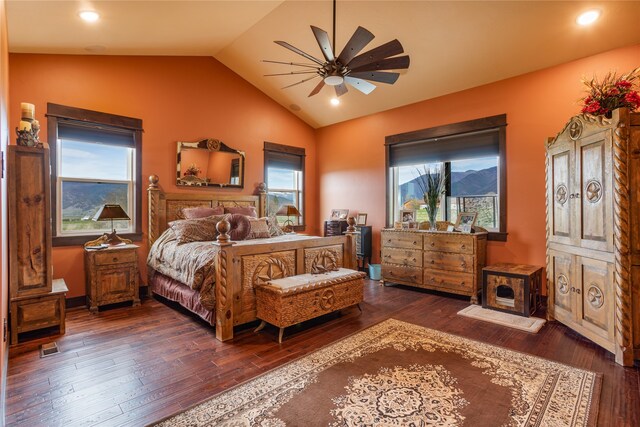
x: 350, y: 66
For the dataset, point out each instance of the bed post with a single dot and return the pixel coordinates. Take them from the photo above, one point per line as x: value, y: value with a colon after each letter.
x: 350, y: 247
x: 262, y: 199
x: 153, y: 192
x: 224, y: 284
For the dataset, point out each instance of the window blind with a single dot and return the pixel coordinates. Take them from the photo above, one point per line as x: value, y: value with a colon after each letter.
x: 470, y: 145
x: 286, y: 161
x: 91, y: 132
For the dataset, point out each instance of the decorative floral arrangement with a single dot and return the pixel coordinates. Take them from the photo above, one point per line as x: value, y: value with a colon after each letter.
x: 432, y: 184
x: 611, y: 92
x: 192, y: 170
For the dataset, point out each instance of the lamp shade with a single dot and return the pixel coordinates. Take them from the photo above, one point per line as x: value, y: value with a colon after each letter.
x: 110, y: 212
x: 288, y: 210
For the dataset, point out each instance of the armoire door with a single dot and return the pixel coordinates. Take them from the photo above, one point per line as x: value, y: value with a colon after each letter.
x: 595, y: 308
x: 560, y: 183
x: 594, y: 191
x: 561, y: 280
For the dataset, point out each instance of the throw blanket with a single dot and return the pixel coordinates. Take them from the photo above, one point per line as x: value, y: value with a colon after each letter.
x: 189, y: 263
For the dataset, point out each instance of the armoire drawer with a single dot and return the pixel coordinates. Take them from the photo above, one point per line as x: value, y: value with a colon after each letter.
x: 458, y: 243
x: 404, y: 274
x: 448, y: 261
x: 449, y: 280
x: 405, y: 257
x: 399, y: 239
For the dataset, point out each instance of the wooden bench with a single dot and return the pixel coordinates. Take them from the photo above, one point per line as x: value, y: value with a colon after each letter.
x: 291, y: 300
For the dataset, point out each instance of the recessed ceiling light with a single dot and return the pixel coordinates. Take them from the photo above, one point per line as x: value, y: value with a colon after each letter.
x: 89, y: 15
x: 588, y: 17
x: 335, y: 101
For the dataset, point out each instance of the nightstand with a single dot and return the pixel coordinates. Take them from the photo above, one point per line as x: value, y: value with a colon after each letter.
x: 112, y: 275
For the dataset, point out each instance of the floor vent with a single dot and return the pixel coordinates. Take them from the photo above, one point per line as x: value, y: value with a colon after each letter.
x: 49, y: 349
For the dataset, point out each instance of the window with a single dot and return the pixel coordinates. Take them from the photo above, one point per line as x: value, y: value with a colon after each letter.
x: 469, y: 154
x: 284, y: 176
x: 95, y: 160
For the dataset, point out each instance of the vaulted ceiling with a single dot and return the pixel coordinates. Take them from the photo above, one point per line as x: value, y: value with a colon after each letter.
x: 453, y: 45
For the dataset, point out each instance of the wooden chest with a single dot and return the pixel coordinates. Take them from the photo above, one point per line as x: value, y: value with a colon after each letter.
x: 112, y: 275
x: 438, y: 260
x: 512, y: 288
x: 30, y: 313
x: 291, y: 300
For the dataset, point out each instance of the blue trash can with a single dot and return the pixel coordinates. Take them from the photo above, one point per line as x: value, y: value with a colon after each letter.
x: 374, y: 271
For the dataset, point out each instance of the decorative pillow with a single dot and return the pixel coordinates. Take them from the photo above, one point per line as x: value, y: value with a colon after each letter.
x: 196, y: 230
x: 274, y: 228
x: 242, y: 210
x: 202, y: 212
x: 240, y: 226
x: 259, y: 229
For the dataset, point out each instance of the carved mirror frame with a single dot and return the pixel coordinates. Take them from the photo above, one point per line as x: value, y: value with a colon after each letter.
x: 212, y: 145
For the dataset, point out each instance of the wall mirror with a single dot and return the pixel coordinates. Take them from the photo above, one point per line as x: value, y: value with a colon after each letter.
x: 210, y: 163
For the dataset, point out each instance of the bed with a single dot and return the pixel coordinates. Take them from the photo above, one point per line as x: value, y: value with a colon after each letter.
x: 221, y: 291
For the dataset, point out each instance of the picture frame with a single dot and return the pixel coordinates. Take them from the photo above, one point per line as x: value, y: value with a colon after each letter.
x: 407, y: 215
x: 339, y: 214
x: 465, y: 221
x: 361, y: 219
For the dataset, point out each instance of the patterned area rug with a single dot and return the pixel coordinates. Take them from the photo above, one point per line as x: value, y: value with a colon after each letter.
x: 400, y: 374
x: 527, y: 324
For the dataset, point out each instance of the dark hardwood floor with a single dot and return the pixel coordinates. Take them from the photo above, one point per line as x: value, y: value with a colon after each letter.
x: 133, y: 366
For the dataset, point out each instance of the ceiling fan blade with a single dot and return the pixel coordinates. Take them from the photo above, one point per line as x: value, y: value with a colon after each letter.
x: 386, y: 50
x: 361, y: 85
x: 356, y: 43
x: 341, y: 89
x: 296, y: 64
x: 397, y: 63
x: 290, y: 73
x: 301, y: 81
x: 323, y: 41
x: 317, y: 88
x: 377, y: 76
x: 298, y: 51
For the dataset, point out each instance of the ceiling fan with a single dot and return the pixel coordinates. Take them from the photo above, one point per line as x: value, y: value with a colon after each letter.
x: 349, y: 67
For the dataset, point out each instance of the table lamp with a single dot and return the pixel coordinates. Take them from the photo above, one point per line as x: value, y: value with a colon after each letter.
x: 288, y: 211
x: 105, y: 213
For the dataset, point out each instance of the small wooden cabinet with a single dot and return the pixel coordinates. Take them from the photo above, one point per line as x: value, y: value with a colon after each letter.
x: 112, y: 275
x: 438, y: 260
x: 29, y: 313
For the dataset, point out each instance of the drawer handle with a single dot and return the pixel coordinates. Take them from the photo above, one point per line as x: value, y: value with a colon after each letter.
x: 578, y: 291
x: 433, y: 244
x: 433, y: 261
x: 463, y: 246
x: 463, y: 264
x: 462, y: 283
x: 573, y: 289
x: 389, y: 241
x: 115, y: 259
x: 414, y: 260
x: 415, y: 243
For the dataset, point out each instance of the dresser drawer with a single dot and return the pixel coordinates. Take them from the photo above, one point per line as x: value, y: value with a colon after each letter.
x: 405, y: 257
x: 448, y: 243
x: 114, y: 257
x: 391, y: 273
x: 398, y: 239
x: 449, y: 280
x: 448, y: 261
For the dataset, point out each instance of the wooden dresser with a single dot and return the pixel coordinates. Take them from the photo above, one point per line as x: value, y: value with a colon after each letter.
x: 112, y: 275
x: 593, y: 230
x: 438, y: 260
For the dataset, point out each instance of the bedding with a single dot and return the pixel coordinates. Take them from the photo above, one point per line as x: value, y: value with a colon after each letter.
x: 242, y: 210
x: 196, y: 230
x: 239, y: 226
x: 259, y: 229
x: 202, y: 212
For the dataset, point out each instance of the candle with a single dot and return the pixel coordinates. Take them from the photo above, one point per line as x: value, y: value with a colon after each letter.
x: 24, y: 125
x: 28, y: 110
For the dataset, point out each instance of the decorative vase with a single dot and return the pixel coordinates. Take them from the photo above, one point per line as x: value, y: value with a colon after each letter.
x: 433, y: 222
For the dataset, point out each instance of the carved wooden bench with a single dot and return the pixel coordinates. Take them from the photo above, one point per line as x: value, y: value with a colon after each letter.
x: 291, y: 300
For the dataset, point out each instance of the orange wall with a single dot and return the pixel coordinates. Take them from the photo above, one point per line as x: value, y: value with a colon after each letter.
x: 537, y: 106
x: 4, y: 139
x: 178, y: 99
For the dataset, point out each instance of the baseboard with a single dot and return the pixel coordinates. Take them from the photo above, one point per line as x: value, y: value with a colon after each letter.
x: 81, y: 301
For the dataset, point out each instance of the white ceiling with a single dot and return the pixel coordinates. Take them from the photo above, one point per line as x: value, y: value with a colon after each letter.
x: 453, y: 45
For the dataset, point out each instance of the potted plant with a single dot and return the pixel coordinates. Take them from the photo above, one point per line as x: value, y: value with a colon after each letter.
x: 604, y: 96
x: 192, y: 170
x: 432, y: 184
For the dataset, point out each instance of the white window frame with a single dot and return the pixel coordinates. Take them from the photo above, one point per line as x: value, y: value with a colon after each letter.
x: 297, y: 192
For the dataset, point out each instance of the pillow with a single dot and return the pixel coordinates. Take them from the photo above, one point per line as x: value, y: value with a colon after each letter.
x: 242, y: 210
x: 240, y: 226
x: 259, y: 229
x: 274, y: 228
x: 202, y: 212
x: 196, y: 230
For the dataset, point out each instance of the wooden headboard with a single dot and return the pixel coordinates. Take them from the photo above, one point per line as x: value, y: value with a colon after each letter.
x: 167, y: 207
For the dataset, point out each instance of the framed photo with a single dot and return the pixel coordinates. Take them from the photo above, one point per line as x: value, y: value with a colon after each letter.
x: 339, y: 214
x: 465, y: 221
x: 362, y: 219
x: 407, y: 215
x: 397, y: 225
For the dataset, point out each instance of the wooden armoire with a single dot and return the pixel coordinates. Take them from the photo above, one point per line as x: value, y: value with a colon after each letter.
x: 593, y: 230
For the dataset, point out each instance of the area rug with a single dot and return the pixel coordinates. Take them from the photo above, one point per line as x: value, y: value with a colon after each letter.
x: 527, y: 324
x: 400, y: 374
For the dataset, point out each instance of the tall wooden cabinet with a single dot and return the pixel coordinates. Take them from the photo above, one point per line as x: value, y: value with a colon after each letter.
x: 593, y: 220
x: 35, y: 303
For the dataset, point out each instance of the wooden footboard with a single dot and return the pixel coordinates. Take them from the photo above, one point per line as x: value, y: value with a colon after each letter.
x: 241, y: 267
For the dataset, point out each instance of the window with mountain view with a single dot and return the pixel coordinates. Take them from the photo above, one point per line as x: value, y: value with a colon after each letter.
x: 94, y: 163
x: 471, y: 157
x: 284, y: 176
